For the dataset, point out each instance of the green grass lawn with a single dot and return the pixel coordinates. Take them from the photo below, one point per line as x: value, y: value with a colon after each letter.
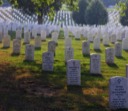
x: 25, y: 87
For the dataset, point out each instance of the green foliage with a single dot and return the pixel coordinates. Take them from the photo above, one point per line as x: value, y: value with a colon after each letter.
x: 96, y: 13
x: 41, y: 7
x: 123, y: 9
x: 124, y: 14
x: 91, y: 12
x: 79, y: 16
x: 1, y: 2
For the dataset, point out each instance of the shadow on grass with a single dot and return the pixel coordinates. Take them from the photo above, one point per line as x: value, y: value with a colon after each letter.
x: 87, y: 56
x: 122, y: 58
x: 74, y: 89
x: 29, y: 61
x: 107, y: 45
x: 5, y: 47
x: 113, y: 65
x: 14, y: 55
x: 125, y: 50
x: 26, y: 94
x: 98, y: 50
x: 96, y: 75
x: 77, y: 39
x: 39, y: 48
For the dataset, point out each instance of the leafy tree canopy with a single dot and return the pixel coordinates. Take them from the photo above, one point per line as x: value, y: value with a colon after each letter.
x: 42, y: 7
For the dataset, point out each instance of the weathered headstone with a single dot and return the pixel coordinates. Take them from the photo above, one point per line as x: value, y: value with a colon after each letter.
x: 52, y: 46
x: 106, y: 40
x: 118, y: 49
x: 16, y: 46
x: 69, y: 53
x: 48, y: 60
x: 73, y: 72
x: 34, y: 33
x: 109, y: 53
x: 95, y: 64
x: 43, y: 35
x: 90, y: 37
x: 55, y: 36
x: 77, y: 35
x: 96, y: 43
x: 66, y: 33
x: 125, y: 44
x: 68, y: 42
x: 29, y: 52
x: 86, y: 48
x: 37, y: 42
x: 26, y: 37
x: 118, y: 93
x: 6, y: 41
x: 113, y: 38
x: 18, y: 34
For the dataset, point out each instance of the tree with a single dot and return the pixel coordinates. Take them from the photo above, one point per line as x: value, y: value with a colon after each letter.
x: 41, y: 7
x: 124, y: 14
x: 123, y: 9
x: 1, y: 2
x: 78, y: 16
x: 96, y: 13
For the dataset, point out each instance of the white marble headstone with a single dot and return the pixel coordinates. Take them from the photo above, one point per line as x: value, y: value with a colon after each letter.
x: 51, y: 46
x: 6, y: 41
x: 68, y: 42
x: 38, y: 42
x: 18, y: 34
x: 106, y: 40
x: 110, y: 53
x: 43, y: 35
x: 73, y: 72
x: 48, y: 60
x: 69, y: 53
x: 95, y: 65
x: 96, y: 43
x: 34, y: 33
x: 29, y: 52
x: 86, y: 48
x: 118, y: 93
x: 27, y: 37
x: 55, y: 36
x: 118, y: 49
x: 113, y: 38
x: 16, y: 46
x: 125, y: 44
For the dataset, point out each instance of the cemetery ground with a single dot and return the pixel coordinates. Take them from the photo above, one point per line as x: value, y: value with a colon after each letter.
x: 25, y: 87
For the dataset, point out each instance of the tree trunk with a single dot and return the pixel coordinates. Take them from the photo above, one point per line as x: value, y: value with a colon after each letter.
x: 40, y: 19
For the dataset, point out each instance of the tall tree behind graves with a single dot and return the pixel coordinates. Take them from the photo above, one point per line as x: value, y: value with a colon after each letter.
x: 96, y: 13
x: 79, y: 16
x: 1, y: 2
x: 124, y: 13
x: 42, y: 7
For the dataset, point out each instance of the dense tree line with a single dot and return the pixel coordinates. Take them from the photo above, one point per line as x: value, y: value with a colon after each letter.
x: 42, y: 7
x: 91, y: 12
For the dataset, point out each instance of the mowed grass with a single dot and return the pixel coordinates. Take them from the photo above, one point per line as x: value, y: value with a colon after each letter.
x: 25, y: 87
